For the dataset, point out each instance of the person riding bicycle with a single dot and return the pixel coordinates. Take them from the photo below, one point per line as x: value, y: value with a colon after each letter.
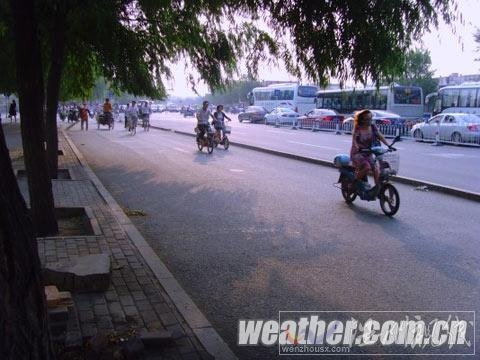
x: 219, y: 120
x: 107, y: 110
x: 132, y: 115
x: 145, y: 112
x: 365, y: 135
x: 203, y: 115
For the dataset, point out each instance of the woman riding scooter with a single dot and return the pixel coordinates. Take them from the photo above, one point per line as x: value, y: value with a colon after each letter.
x: 365, y: 135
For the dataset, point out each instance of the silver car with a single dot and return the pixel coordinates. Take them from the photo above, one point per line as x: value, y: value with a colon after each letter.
x: 282, y: 116
x: 451, y: 127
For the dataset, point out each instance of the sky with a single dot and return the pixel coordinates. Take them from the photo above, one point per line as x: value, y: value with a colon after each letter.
x: 450, y: 53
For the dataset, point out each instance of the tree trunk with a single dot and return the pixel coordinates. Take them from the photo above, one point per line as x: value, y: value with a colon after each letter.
x: 23, y: 319
x: 30, y: 94
x: 53, y: 87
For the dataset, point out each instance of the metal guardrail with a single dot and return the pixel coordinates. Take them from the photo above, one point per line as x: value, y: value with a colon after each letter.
x: 391, y: 130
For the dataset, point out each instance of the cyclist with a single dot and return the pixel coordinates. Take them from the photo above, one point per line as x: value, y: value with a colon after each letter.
x: 203, y: 115
x: 219, y: 120
x: 107, y: 111
x: 132, y: 116
x: 145, y: 112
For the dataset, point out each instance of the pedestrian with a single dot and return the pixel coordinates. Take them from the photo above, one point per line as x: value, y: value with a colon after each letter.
x: 84, y: 113
x: 12, y: 111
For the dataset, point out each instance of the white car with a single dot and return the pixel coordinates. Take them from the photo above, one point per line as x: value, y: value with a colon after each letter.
x: 452, y: 127
x: 281, y: 116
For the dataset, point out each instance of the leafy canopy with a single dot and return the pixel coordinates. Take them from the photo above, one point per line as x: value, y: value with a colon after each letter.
x: 132, y: 43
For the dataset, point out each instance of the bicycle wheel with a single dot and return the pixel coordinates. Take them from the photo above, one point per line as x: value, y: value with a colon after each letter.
x: 226, y: 143
x: 348, y: 191
x: 389, y: 199
x: 210, y: 144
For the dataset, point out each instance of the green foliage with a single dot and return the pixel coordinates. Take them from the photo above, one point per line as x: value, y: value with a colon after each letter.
x: 234, y: 93
x: 417, y: 71
x: 132, y: 43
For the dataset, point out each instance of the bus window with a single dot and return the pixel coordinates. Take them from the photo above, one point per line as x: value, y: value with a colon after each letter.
x: 380, y: 100
x: 407, y: 95
x: 287, y: 95
x: 368, y: 99
x: 467, y: 97
x: 307, y: 91
x: 450, y: 98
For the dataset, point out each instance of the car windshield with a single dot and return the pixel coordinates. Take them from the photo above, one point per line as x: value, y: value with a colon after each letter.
x: 384, y: 114
x: 323, y: 112
x: 285, y: 110
x: 254, y: 109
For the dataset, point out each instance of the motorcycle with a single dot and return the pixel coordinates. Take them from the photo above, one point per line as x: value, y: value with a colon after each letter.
x: 386, y: 193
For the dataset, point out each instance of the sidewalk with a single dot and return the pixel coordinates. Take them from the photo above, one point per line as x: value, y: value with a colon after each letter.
x: 135, y: 301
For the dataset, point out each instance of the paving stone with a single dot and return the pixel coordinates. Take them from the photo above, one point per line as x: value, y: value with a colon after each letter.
x: 157, y: 338
x: 82, y: 273
x: 168, y: 319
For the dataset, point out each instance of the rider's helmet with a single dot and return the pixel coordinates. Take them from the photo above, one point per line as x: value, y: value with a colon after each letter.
x: 341, y: 160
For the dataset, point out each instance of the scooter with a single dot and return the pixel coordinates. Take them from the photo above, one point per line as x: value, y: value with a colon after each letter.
x: 388, y: 161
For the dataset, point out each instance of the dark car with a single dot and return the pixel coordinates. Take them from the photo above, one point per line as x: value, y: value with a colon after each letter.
x: 253, y: 114
x: 379, y: 117
x: 188, y: 112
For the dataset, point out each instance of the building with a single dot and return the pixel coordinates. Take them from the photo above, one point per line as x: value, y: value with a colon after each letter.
x: 456, y: 79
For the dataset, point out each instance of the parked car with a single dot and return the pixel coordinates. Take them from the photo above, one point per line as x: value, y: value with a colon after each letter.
x: 379, y: 118
x: 281, y: 115
x: 253, y: 114
x: 188, y: 112
x: 454, y: 127
x: 317, y: 115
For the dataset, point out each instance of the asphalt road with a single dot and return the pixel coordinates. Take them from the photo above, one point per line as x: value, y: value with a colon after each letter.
x: 249, y: 234
x: 446, y: 165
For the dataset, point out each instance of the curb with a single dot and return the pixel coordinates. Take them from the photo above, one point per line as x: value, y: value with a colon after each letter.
x: 201, y: 327
x: 449, y: 190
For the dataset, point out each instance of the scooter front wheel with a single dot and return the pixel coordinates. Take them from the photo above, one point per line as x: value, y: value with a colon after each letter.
x: 349, y: 192
x: 210, y: 145
x: 389, y: 199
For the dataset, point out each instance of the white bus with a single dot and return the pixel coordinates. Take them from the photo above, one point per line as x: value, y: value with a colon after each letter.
x: 406, y: 101
x: 464, y: 98
x: 300, y: 98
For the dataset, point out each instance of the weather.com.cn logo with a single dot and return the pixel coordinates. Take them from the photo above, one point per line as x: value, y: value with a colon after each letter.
x: 363, y: 333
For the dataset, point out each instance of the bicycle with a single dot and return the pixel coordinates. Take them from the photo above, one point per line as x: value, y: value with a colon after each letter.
x: 132, y: 126
x: 205, y: 141
x: 218, y: 139
x: 146, y: 124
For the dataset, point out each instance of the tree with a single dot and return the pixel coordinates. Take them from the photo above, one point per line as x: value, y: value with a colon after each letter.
x: 30, y: 88
x: 476, y: 37
x: 234, y: 93
x: 417, y: 71
x: 23, y: 317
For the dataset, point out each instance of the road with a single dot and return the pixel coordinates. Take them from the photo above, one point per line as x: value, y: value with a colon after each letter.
x: 446, y: 165
x: 248, y: 234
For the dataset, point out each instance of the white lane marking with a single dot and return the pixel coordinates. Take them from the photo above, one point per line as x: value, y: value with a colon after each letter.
x: 181, y: 150
x: 319, y: 146
x: 452, y: 156
x: 236, y: 170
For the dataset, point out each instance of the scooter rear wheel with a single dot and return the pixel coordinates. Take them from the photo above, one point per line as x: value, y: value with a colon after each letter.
x: 389, y: 199
x: 348, y: 192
